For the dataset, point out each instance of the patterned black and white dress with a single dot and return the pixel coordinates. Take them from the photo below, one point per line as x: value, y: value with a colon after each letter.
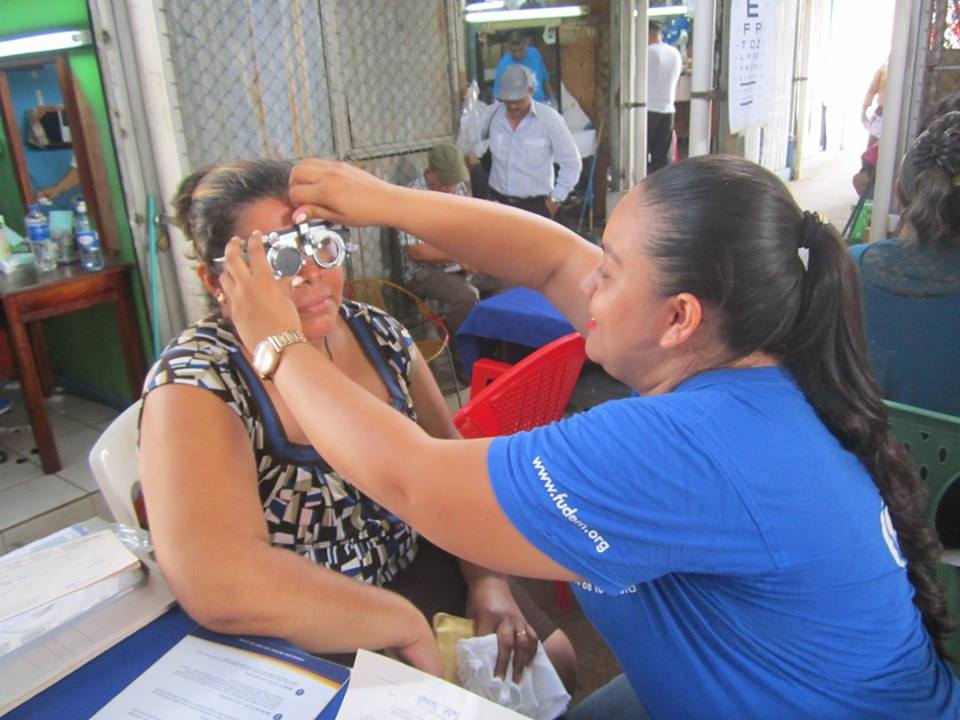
x: 308, y: 507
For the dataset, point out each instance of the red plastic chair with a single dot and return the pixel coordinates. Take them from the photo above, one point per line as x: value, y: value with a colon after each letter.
x: 505, y: 399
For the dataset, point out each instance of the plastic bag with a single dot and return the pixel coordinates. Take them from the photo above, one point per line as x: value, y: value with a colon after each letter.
x: 472, y: 116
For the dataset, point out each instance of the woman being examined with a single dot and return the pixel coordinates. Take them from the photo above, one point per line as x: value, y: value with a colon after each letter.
x: 911, y: 285
x: 254, y: 530
x: 744, y: 533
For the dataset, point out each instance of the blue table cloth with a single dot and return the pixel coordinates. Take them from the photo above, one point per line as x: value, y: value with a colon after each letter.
x: 520, y: 316
x: 88, y: 688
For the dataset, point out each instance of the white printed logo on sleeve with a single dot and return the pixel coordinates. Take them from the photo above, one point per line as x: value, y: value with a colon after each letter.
x: 559, y: 499
x: 890, y: 536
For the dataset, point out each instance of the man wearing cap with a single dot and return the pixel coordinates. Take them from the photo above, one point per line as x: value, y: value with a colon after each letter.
x: 429, y: 272
x: 526, y: 139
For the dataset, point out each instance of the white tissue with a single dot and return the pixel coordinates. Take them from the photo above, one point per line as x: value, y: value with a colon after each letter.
x: 539, y: 695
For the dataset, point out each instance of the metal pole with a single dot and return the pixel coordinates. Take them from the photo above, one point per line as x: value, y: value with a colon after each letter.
x: 556, y: 56
x: 641, y: 41
x: 887, y: 160
x: 172, y: 163
x: 701, y: 77
x: 628, y: 65
x: 801, y: 70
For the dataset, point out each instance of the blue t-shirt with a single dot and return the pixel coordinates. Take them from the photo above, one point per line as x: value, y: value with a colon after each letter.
x: 738, y: 561
x: 531, y: 60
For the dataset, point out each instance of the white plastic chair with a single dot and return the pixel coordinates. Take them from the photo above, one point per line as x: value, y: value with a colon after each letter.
x: 113, y: 459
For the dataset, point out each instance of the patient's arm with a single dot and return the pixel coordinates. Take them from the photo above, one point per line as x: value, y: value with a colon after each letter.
x: 490, y: 603
x: 199, y: 482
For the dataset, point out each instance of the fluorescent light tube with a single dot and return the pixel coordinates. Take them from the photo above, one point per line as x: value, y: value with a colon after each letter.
x: 47, y: 42
x: 484, y: 6
x: 546, y: 13
x: 668, y: 10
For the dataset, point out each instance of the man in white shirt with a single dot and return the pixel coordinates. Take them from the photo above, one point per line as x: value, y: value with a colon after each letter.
x: 664, y: 65
x: 526, y: 139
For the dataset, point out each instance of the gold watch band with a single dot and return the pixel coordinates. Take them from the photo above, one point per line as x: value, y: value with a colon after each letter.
x: 267, y: 353
x: 285, y: 339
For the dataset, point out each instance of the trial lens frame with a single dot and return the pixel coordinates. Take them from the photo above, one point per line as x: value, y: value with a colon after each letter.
x: 286, y: 248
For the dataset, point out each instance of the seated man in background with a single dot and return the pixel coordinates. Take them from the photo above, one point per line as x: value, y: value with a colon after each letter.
x: 431, y: 273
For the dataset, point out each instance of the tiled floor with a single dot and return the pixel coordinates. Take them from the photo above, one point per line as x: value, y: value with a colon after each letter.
x: 32, y: 503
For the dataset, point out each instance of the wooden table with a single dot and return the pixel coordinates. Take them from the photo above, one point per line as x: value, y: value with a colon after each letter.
x: 29, y: 297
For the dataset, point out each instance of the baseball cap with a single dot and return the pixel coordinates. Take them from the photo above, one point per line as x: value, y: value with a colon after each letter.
x: 446, y: 162
x: 514, y: 83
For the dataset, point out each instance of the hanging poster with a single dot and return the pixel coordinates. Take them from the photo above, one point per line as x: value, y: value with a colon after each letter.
x: 752, y: 32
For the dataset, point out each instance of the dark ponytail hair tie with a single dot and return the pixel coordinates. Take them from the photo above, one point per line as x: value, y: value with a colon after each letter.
x: 812, y: 222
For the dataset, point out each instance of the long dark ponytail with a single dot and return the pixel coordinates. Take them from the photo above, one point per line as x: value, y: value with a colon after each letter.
x: 729, y: 232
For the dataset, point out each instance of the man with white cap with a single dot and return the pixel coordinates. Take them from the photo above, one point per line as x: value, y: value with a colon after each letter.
x: 526, y: 139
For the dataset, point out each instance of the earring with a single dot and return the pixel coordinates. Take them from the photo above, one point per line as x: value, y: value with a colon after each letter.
x: 221, y: 298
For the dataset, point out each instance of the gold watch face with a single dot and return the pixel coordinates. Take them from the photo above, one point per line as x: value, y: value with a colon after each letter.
x: 265, y: 358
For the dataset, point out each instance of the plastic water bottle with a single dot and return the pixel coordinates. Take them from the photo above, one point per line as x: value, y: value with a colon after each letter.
x: 5, y: 250
x: 38, y: 230
x: 90, y: 255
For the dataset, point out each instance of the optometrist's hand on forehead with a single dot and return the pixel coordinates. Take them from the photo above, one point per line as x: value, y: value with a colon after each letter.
x: 340, y: 193
x: 260, y: 305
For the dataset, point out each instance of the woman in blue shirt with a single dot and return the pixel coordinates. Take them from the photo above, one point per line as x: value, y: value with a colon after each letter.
x: 744, y: 533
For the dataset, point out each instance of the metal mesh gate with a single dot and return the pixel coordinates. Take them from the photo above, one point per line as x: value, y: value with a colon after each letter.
x: 372, y: 80
x: 398, y: 73
x: 251, y: 79
x: 942, y: 53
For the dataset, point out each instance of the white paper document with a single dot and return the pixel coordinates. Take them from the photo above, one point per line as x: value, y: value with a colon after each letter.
x: 208, y: 676
x: 29, y: 581
x: 39, y: 664
x: 381, y: 689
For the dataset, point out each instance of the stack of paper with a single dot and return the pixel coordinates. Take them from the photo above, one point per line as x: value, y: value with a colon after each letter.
x: 54, y: 602
x: 35, y: 580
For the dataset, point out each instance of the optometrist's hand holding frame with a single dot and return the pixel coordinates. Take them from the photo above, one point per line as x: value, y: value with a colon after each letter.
x: 287, y: 250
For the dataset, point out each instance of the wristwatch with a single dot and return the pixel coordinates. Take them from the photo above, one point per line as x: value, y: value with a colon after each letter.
x: 266, y: 355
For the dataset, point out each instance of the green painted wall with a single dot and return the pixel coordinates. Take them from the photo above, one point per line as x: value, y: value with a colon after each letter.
x: 84, y: 346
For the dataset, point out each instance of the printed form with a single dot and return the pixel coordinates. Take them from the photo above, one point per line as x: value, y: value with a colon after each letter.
x: 208, y: 675
x: 381, y: 689
x: 30, y: 581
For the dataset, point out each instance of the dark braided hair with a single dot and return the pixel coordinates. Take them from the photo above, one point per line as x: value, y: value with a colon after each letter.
x: 930, y: 183
x: 728, y: 231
